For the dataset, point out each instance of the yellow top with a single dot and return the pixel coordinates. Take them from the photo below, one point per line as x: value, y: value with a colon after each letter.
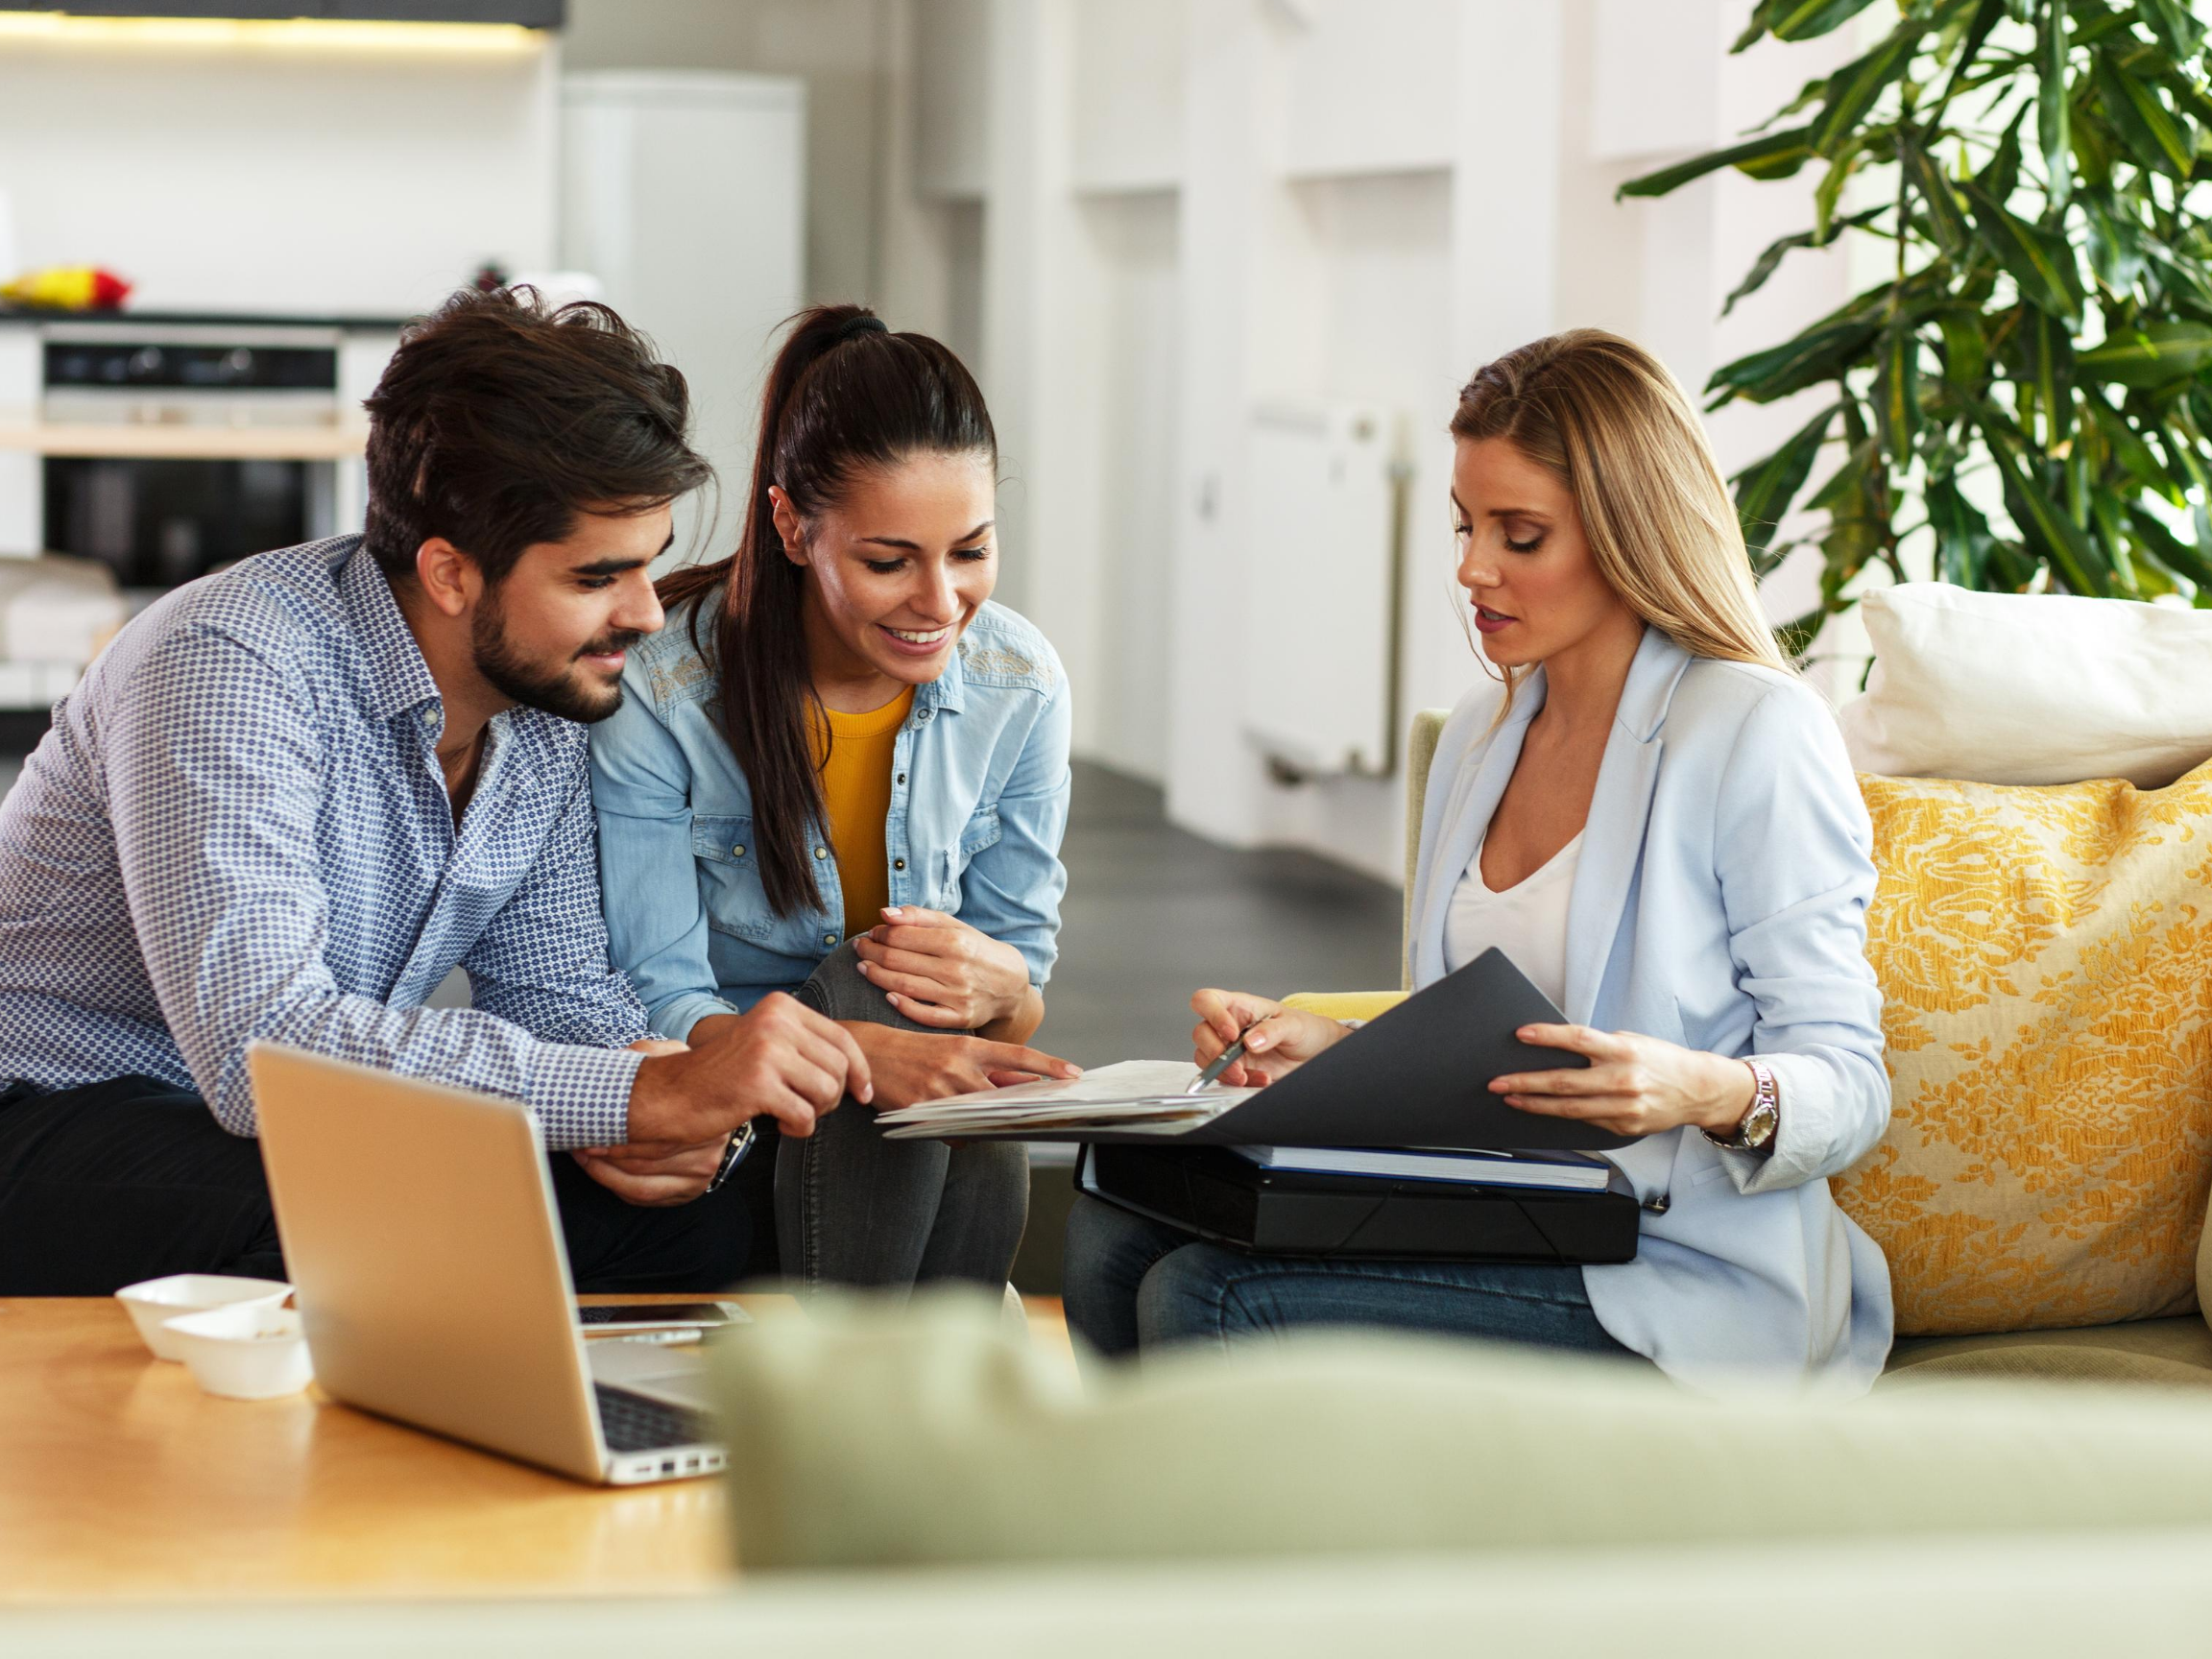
x: 857, y: 791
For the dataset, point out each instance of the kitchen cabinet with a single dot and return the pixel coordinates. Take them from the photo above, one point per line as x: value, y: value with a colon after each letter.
x: 530, y: 14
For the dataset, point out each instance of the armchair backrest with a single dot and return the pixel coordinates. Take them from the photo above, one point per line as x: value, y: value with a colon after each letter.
x: 1419, y: 754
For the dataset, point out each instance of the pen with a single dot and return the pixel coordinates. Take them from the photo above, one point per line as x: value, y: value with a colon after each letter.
x: 1221, y: 1063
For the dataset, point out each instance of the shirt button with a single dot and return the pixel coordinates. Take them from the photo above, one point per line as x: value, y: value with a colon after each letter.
x: 923, y: 713
x: 902, y: 777
x: 828, y: 938
x: 898, y: 863
x: 821, y: 851
x: 737, y: 852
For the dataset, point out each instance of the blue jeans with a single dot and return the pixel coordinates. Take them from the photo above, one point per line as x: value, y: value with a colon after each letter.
x: 1134, y: 1284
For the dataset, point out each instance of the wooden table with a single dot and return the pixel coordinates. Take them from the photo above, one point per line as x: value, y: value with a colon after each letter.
x: 120, y: 1479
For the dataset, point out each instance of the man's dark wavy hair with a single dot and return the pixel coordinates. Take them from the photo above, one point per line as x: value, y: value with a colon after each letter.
x: 500, y: 419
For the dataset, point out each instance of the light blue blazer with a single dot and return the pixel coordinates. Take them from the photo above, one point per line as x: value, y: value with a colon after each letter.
x: 1719, y: 904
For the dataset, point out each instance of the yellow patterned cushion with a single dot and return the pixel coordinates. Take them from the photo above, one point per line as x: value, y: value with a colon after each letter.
x: 2046, y: 963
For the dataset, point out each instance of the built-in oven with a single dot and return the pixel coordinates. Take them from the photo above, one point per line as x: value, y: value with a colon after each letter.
x: 171, y: 449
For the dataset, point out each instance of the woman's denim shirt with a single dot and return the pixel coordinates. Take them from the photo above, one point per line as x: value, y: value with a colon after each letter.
x: 978, y: 803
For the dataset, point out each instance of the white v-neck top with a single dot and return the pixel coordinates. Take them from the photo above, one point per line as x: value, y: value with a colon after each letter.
x: 1527, y: 920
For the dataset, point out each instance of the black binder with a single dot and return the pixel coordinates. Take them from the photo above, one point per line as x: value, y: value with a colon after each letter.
x: 1217, y: 1195
x: 1418, y: 1075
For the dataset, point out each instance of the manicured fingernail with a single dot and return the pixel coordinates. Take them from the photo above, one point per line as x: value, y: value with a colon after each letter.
x: 1070, y: 1070
x: 1256, y: 1044
x: 894, y: 910
x: 865, y: 1093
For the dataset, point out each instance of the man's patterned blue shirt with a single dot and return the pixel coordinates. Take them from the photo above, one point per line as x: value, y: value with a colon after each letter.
x: 237, y: 829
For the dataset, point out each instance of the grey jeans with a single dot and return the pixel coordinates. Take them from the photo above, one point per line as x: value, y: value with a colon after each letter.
x: 853, y: 1208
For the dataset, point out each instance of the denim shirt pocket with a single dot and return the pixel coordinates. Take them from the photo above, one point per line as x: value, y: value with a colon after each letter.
x: 983, y: 831
x: 730, y: 878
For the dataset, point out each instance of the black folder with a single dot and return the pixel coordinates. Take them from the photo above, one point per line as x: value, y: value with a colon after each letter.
x: 1418, y: 1075
x: 1215, y: 1194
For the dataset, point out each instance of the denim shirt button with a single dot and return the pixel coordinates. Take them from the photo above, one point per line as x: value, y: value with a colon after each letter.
x: 901, y: 778
x: 898, y: 863
x: 821, y: 851
x: 828, y: 938
x: 739, y: 851
x: 923, y: 713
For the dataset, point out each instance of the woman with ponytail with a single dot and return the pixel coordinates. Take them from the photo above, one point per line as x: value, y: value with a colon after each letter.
x: 841, y: 771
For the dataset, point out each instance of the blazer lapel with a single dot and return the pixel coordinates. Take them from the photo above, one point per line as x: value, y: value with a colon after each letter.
x: 1620, y: 810
x: 1476, y: 787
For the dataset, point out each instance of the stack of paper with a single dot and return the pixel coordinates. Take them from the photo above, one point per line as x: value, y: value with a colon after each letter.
x: 1142, y: 1097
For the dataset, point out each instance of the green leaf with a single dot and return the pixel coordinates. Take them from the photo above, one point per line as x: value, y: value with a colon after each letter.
x: 1986, y: 17
x: 1771, y: 156
x: 1764, y: 490
x: 2152, y: 355
x: 2178, y: 29
x: 2049, y: 351
x: 1925, y: 175
x: 2115, y: 247
x: 2001, y: 177
x: 1770, y: 259
x: 1819, y: 354
x: 2168, y: 548
x: 2040, y: 261
x: 1965, y: 349
x: 2051, y: 106
x: 1898, y: 393
x: 2157, y: 138
x: 1964, y: 539
x: 1831, y: 188
x: 2050, y: 532
x: 1853, y: 89
x: 2128, y: 452
x: 1797, y: 19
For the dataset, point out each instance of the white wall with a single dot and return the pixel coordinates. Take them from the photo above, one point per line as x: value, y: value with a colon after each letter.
x: 289, y: 179
x: 839, y: 48
x: 1188, y: 208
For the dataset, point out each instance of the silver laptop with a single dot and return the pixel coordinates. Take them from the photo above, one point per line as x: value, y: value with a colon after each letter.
x: 418, y: 1226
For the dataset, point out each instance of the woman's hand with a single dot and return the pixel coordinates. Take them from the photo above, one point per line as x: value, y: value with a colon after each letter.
x: 915, y: 1066
x: 1633, y: 1085
x: 938, y: 970
x: 1285, y: 1038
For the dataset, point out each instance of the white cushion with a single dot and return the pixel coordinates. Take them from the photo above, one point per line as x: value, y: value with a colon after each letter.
x: 2032, y: 688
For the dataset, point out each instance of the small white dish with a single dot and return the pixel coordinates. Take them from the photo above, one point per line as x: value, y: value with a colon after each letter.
x: 153, y: 1302
x: 247, y: 1351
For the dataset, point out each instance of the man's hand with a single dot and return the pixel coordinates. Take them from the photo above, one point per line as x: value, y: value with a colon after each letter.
x: 655, y: 1177
x: 915, y: 1066
x: 783, y: 1061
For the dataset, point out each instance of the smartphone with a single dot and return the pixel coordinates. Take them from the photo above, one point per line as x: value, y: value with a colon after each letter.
x: 660, y: 1321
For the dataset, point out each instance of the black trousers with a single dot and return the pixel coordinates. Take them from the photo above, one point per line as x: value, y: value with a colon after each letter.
x: 131, y: 1179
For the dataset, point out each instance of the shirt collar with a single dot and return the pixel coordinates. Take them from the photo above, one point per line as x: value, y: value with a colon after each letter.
x: 947, y: 689
x: 399, y: 678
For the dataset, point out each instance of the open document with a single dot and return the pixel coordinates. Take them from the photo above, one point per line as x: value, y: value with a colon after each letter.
x: 1135, y: 1097
x: 1418, y: 1076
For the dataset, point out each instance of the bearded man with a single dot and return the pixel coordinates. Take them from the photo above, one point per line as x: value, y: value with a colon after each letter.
x: 294, y: 795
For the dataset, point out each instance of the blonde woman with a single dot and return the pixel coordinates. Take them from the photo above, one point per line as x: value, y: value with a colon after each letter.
x: 1653, y: 816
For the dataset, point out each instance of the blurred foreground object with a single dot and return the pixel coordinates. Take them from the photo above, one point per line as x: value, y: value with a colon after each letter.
x: 68, y: 288
x: 866, y: 1438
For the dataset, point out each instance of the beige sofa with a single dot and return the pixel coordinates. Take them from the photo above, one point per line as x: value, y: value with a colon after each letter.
x: 2175, y: 1351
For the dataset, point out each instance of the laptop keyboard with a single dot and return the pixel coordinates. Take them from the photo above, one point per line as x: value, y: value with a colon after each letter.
x: 632, y: 1423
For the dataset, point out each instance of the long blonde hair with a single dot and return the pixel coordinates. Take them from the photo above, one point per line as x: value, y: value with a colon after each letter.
x: 1604, y: 418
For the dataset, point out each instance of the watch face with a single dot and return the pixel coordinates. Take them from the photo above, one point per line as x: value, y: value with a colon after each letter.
x: 1758, y: 1126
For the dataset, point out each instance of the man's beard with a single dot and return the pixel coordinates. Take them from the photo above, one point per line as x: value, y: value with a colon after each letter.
x: 561, y: 691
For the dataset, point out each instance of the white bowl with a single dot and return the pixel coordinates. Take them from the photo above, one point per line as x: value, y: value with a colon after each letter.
x: 154, y: 1301
x: 248, y: 1351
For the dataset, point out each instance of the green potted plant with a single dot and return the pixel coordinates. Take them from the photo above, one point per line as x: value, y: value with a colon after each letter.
x: 2032, y: 383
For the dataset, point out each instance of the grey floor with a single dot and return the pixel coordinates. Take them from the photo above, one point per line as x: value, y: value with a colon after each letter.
x: 1154, y: 912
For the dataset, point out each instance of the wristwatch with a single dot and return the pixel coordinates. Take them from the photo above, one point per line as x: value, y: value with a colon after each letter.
x: 1755, y: 1133
x: 733, y: 1155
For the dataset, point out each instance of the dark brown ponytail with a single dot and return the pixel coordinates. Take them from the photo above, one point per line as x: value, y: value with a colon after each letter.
x: 844, y: 396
